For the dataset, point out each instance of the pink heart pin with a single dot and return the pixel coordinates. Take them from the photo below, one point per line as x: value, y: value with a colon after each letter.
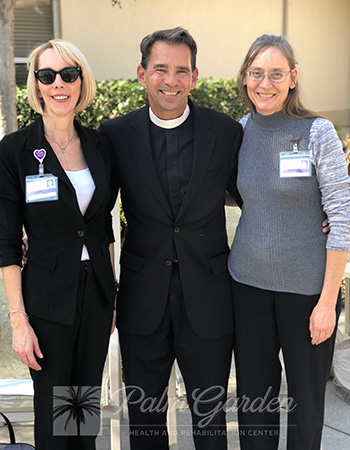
x: 40, y: 154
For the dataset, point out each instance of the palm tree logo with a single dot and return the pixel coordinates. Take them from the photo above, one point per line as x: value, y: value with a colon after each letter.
x: 77, y: 402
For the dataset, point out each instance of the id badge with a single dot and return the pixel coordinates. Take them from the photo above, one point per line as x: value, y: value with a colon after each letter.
x: 41, y: 188
x: 295, y: 164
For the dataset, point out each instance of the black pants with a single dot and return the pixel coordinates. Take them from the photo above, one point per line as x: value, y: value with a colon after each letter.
x: 205, y: 366
x: 73, y: 356
x: 266, y: 322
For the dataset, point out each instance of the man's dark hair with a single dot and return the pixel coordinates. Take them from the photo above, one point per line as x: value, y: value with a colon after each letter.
x: 174, y: 36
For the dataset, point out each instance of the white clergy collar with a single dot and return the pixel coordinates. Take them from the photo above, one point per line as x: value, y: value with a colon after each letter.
x: 171, y: 123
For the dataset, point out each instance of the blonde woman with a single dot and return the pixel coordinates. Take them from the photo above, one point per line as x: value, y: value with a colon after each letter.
x: 55, y: 184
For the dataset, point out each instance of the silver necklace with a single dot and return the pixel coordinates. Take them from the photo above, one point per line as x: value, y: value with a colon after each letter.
x: 63, y: 149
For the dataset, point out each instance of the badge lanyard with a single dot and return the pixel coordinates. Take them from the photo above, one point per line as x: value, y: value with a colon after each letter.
x: 296, y: 163
x: 42, y: 187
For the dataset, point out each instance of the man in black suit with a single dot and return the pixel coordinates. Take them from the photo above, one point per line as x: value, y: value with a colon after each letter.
x: 173, y: 163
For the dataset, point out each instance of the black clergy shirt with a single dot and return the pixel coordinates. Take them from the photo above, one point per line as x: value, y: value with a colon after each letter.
x: 174, y: 170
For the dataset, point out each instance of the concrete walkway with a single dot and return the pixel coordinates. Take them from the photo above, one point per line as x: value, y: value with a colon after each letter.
x: 336, y: 430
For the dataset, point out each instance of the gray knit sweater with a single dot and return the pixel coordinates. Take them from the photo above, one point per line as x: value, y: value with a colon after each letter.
x: 279, y: 244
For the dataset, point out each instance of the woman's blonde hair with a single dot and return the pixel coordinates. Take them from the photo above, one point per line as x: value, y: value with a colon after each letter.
x: 74, y: 57
x: 292, y: 107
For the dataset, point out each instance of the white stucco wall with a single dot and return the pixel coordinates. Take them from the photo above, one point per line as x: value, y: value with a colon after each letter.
x: 319, y: 31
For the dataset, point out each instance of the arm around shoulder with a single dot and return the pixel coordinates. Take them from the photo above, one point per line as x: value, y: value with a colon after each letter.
x: 334, y: 182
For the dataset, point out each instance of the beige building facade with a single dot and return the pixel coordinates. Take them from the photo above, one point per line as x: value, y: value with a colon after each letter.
x: 319, y: 31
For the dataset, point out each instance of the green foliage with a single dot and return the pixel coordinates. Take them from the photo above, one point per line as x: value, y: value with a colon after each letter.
x: 117, y: 3
x: 221, y: 95
x: 123, y: 223
x: 116, y: 98
x: 25, y: 114
x: 113, y: 99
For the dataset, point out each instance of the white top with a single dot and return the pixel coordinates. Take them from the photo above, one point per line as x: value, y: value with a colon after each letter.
x: 84, y: 186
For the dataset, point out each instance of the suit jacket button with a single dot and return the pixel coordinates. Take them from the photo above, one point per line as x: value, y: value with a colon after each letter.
x: 176, y: 230
x: 80, y: 233
x: 168, y: 263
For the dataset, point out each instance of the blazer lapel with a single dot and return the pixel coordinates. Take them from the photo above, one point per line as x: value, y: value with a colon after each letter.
x: 204, y: 143
x: 36, y: 140
x: 96, y: 165
x: 139, y: 137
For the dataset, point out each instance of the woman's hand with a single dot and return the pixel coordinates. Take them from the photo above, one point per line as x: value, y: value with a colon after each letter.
x: 323, y: 317
x: 25, y: 342
x: 322, y: 323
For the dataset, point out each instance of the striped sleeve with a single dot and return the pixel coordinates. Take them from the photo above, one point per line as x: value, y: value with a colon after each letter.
x: 334, y: 182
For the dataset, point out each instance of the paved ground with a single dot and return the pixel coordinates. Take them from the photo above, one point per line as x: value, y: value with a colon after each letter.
x: 336, y: 431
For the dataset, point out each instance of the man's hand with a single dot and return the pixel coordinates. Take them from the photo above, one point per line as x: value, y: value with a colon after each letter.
x: 325, y: 226
x: 113, y: 321
x: 25, y: 247
x: 229, y: 201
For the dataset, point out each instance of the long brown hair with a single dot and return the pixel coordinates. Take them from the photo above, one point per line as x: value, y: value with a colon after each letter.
x: 292, y: 107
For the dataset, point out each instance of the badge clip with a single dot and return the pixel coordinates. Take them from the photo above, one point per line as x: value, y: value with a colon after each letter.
x: 295, y: 145
x: 40, y: 156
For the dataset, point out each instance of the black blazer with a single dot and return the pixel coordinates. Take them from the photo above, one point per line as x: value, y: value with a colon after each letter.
x: 56, y: 229
x: 198, y: 232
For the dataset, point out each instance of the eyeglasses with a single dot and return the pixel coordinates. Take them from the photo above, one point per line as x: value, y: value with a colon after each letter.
x: 276, y: 76
x: 48, y: 76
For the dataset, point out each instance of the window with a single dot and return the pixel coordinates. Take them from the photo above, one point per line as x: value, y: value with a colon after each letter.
x: 34, y: 25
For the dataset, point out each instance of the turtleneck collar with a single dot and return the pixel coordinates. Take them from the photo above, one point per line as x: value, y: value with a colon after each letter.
x: 272, y: 122
x: 171, y: 123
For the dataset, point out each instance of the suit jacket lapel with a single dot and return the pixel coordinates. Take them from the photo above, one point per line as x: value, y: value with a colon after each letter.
x: 139, y: 137
x: 204, y: 143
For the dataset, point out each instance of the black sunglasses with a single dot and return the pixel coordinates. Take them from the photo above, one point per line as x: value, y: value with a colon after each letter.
x: 48, y: 76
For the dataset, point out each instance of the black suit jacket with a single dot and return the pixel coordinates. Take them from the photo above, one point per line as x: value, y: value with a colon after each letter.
x: 56, y: 229
x: 198, y: 233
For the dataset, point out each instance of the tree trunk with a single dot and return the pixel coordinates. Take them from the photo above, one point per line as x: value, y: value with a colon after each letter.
x: 8, y: 115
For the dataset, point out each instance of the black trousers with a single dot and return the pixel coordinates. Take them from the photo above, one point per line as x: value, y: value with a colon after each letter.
x: 265, y: 323
x: 205, y: 366
x: 73, y: 356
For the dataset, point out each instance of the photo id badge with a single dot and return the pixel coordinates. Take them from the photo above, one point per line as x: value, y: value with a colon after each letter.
x: 295, y: 164
x: 42, y: 188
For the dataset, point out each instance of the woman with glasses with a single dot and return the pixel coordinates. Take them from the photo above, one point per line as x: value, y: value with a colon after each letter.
x: 286, y: 272
x: 55, y: 186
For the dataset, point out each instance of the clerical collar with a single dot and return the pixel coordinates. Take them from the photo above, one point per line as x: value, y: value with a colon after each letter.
x: 171, y: 123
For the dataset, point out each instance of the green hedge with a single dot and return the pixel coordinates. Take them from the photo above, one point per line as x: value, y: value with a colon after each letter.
x: 116, y: 98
